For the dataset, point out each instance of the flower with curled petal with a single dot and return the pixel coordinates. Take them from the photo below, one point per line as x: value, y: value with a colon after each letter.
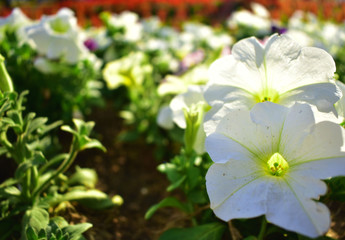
x: 269, y: 161
x: 59, y: 37
x: 278, y: 71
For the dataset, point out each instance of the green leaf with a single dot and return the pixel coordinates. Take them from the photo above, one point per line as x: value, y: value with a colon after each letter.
x: 86, y: 143
x: 166, y: 202
x: 30, y: 234
x: 9, y: 182
x: 92, y: 198
x: 75, y: 231
x: 85, y: 176
x: 35, y: 124
x: 3, y: 150
x: 36, y: 217
x: 198, y: 196
x: 67, y: 128
x: 176, y: 184
x: 42, y: 234
x: 83, y: 128
x: 9, y: 192
x: 37, y: 160
x: 211, y: 231
x: 46, y: 128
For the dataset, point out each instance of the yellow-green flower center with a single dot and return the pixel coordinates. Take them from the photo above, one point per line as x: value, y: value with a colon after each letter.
x: 277, y: 165
x: 267, y: 95
x: 59, y: 26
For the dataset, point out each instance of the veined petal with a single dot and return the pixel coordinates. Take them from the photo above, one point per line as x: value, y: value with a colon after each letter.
x: 290, y: 66
x: 222, y: 99
x: 290, y: 205
x: 298, y: 123
x: 237, y: 189
x: 326, y: 140
x: 322, y: 168
x: 322, y: 95
x: 228, y: 70
x: 222, y: 149
x: 260, y: 139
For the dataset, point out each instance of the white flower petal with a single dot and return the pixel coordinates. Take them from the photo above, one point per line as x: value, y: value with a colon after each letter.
x: 194, y: 95
x: 164, y: 118
x: 289, y: 66
x: 236, y: 190
x: 322, y: 168
x: 290, y: 205
x: 228, y: 70
x: 326, y: 140
x: 323, y: 95
x: 260, y: 139
x: 340, y: 105
x: 222, y: 98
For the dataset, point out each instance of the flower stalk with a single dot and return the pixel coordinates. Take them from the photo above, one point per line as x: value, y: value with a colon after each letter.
x: 6, y: 84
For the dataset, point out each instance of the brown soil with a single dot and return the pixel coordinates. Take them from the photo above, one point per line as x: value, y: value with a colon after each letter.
x: 129, y: 170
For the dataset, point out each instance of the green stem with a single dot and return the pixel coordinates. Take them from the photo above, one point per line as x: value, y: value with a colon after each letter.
x: 6, y: 84
x: 62, y: 168
x: 263, y: 229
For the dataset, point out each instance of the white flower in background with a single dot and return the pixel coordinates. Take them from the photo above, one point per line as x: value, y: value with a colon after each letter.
x: 301, y: 37
x: 269, y: 161
x: 16, y: 21
x: 279, y: 71
x: 130, y: 70
x: 305, y: 28
x: 199, y: 33
x: 304, y: 21
x: 173, y: 84
x: 151, y: 25
x: 219, y: 41
x: 128, y: 24
x: 58, y: 37
x: 193, y: 105
x: 154, y: 44
x: 258, y: 20
x: 198, y: 30
x: 332, y: 37
x: 183, y: 44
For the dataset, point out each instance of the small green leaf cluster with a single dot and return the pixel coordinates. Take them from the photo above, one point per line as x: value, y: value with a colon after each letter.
x: 186, y: 173
x: 58, y: 229
x: 39, y: 183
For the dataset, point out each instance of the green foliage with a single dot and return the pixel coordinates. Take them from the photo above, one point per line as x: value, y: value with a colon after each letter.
x: 210, y: 231
x: 58, y: 229
x: 39, y: 182
x: 60, y: 94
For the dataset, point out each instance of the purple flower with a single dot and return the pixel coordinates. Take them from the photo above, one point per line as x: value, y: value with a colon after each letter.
x: 91, y: 44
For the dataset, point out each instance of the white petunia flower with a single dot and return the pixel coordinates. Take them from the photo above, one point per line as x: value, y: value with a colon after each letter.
x: 269, y: 161
x: 128, y: 23
x: 58, y: 37
x: 279, y: 71
x: 16, y: 21
x: 193, y: 105
x: 258, y: 20
x: 178, y: 84
x: 130, y: 71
